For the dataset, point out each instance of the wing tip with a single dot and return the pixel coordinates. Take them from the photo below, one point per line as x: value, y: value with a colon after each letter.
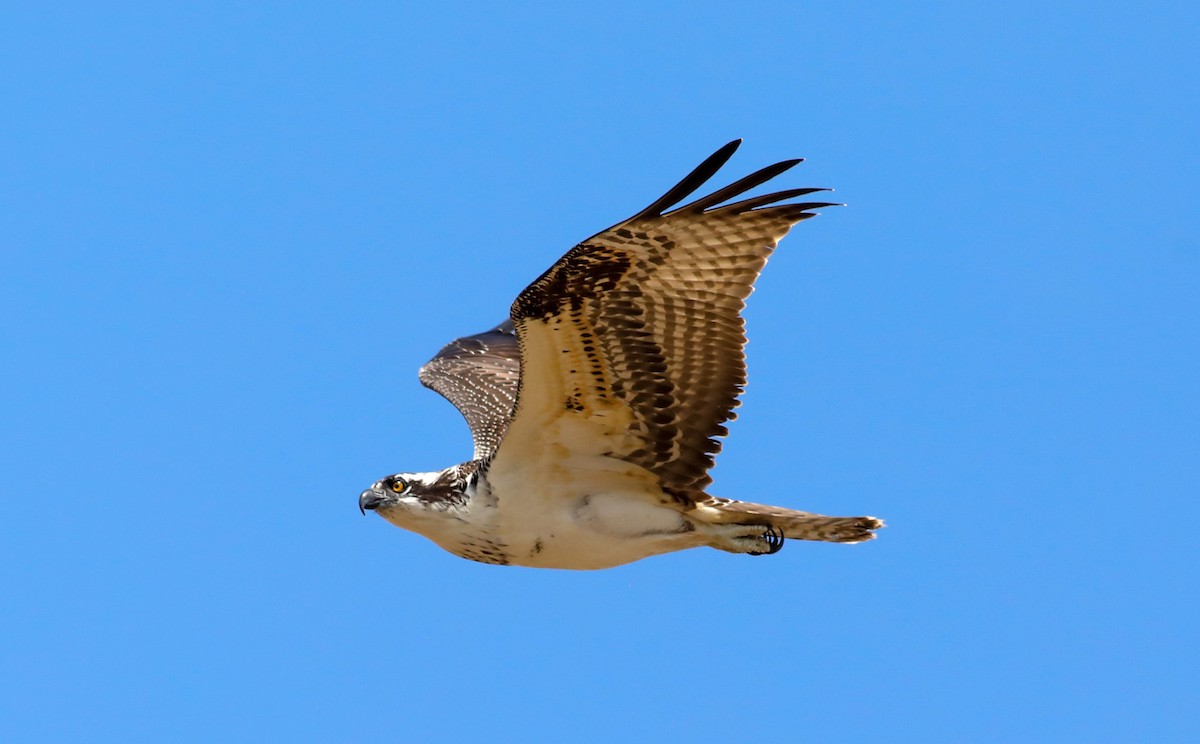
x: 702, y: 173
x: 692, y: 181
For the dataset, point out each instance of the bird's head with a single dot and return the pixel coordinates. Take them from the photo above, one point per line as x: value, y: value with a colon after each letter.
x: 407, y: 493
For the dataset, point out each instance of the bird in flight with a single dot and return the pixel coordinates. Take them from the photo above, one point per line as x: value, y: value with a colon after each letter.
x: 596, y: 408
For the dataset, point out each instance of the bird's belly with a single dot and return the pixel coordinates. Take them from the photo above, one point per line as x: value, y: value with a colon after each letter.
x: 589, y: 531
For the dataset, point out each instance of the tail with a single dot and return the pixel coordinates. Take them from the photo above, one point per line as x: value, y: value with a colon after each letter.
x: 796, y: 525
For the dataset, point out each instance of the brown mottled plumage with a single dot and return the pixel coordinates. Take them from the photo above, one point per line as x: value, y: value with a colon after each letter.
x: 479, y: 374
x: 595, y: 427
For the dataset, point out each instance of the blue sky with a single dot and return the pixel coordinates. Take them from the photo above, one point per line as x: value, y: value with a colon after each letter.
x: 231, y: 232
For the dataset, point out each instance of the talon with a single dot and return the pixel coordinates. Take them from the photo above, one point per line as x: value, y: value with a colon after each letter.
x: 775, y: 540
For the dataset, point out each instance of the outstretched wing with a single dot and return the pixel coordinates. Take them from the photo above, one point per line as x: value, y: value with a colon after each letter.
x: 479, y: 374
x: 633, y: 341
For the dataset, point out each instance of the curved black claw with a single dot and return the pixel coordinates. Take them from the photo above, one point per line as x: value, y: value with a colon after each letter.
x: 774, y: 537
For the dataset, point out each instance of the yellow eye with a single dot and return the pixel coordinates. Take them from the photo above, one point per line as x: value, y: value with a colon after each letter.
x: 398, y: 486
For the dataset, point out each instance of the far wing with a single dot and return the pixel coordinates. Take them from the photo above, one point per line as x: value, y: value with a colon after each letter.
x: 479, y: 374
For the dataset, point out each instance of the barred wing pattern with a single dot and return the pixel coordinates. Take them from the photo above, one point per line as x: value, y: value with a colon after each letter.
x: 479, y: 374
x: 635, y: 336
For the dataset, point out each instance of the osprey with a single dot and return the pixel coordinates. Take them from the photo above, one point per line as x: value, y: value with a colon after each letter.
x: 596, y: 407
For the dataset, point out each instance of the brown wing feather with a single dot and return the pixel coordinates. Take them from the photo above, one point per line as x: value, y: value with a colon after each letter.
x: 479, y: 374
x: 648, y: 316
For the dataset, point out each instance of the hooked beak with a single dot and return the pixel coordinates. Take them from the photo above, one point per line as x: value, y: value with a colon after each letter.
x: 369, y: 499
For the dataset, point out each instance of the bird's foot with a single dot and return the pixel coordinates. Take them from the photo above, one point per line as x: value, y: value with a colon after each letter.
x: 752, y: 539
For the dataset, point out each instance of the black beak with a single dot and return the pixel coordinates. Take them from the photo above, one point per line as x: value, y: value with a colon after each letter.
x: 369, y: 499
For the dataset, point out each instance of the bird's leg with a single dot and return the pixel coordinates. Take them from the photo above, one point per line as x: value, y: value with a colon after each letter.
x: 753, y: 539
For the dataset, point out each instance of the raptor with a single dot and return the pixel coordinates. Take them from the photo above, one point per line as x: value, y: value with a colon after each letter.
x: 597, y: 407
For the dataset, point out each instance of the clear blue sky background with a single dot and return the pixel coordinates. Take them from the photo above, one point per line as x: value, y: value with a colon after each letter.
x: 231, y: 232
